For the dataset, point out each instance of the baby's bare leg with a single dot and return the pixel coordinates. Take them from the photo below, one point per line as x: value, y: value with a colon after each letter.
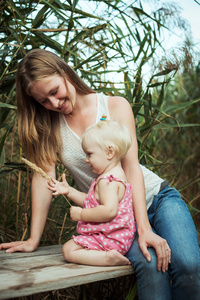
x: 77, y: 254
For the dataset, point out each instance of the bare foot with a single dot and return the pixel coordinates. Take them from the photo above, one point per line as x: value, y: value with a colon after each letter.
x: 114, y: 258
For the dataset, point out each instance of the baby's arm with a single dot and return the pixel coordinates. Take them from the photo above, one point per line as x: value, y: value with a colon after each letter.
x: 108, y: 208
x: 63, y: 187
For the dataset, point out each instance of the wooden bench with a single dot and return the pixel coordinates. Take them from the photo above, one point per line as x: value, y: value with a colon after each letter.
x: 23, y: 274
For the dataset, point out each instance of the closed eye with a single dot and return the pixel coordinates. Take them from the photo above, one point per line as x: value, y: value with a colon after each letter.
x: 43, y: 101
x: 54, y: 92
x: 88, y: 154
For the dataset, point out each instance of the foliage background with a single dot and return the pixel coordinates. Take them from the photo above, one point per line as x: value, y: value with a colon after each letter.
x: 117, y: 48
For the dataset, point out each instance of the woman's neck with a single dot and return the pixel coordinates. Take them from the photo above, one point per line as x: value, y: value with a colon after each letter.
x: 83, y: 103
x: 84, y: 113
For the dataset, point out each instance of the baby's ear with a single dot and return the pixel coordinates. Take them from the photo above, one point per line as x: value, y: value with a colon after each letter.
x: 111, y: 152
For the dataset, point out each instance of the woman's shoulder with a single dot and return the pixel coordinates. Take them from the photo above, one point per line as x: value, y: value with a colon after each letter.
x: 120, y: 100
x: 119, y: 108
x: 117, y: 102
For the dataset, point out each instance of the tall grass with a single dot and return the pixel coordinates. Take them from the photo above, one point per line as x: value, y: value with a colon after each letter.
x: 180, y: 147
x: 111, y: 45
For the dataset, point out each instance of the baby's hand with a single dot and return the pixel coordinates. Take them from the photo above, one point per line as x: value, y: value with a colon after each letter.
x: 75, y: 213
x: 58, y: 187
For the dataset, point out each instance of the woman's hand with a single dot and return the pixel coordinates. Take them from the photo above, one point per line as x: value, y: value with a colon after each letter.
x: 75, y: 213
x: 21, y: 246
x: 163, y: 251
x: 58, y: 187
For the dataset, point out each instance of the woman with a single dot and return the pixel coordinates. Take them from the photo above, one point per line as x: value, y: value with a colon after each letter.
x: 54, y: 109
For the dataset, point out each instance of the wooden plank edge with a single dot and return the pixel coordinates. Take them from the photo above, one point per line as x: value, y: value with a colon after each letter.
x: 63, y: 283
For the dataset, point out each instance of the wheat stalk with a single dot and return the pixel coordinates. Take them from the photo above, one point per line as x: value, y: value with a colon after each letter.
x: 41, y: 172
x: 36, y: 169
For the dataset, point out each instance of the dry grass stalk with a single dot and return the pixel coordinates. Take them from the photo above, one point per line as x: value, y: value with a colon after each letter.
x: 41, y: 172
x: 18, y: 192
x: 36, y: 169
x: 61, y: 232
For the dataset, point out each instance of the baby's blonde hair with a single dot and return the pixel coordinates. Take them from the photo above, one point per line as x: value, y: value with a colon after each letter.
x: 109, y: 133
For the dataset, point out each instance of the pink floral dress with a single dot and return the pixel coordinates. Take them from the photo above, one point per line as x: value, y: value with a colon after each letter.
x: 117, y: 234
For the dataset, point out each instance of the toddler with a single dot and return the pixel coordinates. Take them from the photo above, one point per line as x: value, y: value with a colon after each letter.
x: 106, y: 225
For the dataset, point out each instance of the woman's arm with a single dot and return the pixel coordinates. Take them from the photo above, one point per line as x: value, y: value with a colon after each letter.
x: 120, y: 110
x: 41, y: 200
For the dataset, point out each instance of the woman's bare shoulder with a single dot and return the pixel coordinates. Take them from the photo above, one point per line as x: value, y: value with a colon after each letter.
x: 112, y: 100
x: 119, y: 108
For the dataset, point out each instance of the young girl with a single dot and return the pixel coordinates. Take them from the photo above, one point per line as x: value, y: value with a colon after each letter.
x: 106, y: 221
x: 55, y: 107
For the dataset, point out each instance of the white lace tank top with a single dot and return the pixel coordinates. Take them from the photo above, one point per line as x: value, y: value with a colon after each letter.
x: 73, y: 156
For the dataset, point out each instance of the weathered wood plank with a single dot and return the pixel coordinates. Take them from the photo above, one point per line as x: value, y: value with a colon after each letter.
x: 23, y: 274
x: 46, y: 250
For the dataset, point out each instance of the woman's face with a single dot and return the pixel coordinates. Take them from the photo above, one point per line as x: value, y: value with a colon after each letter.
x: 51, y: 92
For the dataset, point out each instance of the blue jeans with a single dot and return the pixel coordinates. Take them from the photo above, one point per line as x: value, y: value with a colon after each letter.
x: 170, y: 219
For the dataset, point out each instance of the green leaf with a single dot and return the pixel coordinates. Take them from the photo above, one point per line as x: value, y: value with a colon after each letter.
x: 88, y: 59
x: 161, y: 96
x: 132, y: 293
x: 12, y: 166
x: 164, y: 72
x: 40, y: 17
x: 2, y: 158
x: 16, y: 10
x: 138, y: 86
x: 2, y: 141
x: 194, y: 211
x: 48, y: 41
x: 168, y: 126
x: 8, y: 105
x: 139, y: 12
x: 157, y: 84
x: 181, y: 106
x: 142, y: 44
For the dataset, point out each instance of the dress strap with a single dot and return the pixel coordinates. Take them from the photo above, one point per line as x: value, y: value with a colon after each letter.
x: 110, y: 179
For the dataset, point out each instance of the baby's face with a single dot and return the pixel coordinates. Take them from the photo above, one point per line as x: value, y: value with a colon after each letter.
x: 96, y: 157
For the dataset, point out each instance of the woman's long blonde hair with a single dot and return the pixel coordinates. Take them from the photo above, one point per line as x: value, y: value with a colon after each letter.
x: 39, y: 128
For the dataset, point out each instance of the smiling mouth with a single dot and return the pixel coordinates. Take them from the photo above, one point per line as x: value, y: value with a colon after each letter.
x: 62, y: 105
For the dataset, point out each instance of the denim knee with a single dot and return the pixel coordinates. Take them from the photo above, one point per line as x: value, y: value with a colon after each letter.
x: 186, y: 268
x: 186, y: 280
x: 152, y: 284
x: 149, y: 269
